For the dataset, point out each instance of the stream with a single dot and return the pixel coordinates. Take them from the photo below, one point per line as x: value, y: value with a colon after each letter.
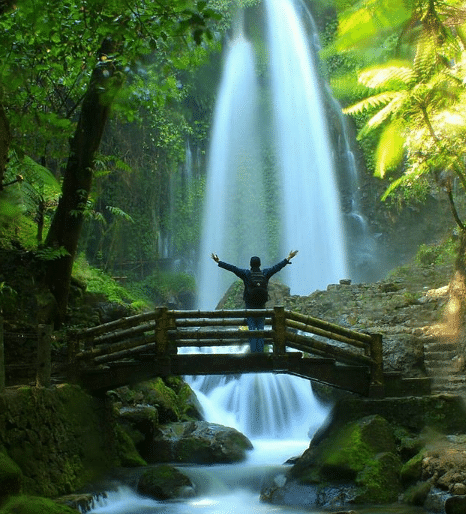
x: 288, y: 415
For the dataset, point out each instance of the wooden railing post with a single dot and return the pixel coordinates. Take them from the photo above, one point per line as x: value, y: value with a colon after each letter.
x: 73, y: 350
x: 279, y: 328
x: 44, y: 355
x: 2, y: 358
x: 377, y: 381
x: 165, y: 321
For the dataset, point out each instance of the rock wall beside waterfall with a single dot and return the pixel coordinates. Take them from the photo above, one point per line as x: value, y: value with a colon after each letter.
x: 58, y: 438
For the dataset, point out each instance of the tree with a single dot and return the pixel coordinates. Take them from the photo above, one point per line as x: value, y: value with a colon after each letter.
x: 55, y: 79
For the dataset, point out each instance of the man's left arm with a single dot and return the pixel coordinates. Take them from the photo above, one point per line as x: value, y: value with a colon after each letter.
x: 268, y: 272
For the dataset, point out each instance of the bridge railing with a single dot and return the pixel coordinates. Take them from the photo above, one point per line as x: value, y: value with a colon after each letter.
x: 163, y: 332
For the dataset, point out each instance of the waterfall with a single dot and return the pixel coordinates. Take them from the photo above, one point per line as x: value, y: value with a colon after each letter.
x: 234, y: 215
x: 309, y: 207
x: 313, y: 221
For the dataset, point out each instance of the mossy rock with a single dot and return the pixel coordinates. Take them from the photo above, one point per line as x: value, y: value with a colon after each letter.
x: 417, y: 494
x: 379, y: 481
x: 127, y: 452
x: 361, y: 453
x: 11, y: 477
x: 165, y: 482
x: 198, y: 442
x: 412, y: 470
x: 173, y: 399
x: 34, y: 505
x: 345, y: 451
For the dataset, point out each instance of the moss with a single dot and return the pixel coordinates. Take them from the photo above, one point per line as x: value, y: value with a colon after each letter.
x: 127, y: 453
x: 34, y: 505
x: 412, y: 470
x: 11, y: 477
x: 379, y: 480
x: 348, y: 451
x: 59, y: 437
x: 417, y: 493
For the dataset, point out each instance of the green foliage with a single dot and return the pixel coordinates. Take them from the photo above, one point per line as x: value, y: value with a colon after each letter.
x: 417, y: 100
x: 34, y: 505
x: 99, y: 282
x: 390, y: 150
x: 162, y: 287
x: 48, y: 53
x: 51, y: 254
x: 437, y: 254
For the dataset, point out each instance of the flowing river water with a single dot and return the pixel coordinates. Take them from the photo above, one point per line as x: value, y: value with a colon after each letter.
x: 286, y: 416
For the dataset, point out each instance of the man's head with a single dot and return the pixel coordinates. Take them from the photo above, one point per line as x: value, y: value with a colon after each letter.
x: 255, y: 262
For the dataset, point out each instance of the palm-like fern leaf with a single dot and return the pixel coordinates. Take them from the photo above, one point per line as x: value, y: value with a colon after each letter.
x: 390, y: 150
x: 372, y: 102
x: 392, y: 75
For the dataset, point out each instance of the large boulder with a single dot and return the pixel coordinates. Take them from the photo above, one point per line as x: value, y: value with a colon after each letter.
x: 357, y: 461
x: 165, y: 482
x: 198, y: 442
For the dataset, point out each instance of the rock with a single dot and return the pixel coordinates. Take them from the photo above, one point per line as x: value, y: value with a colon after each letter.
x: 455, y: 505
x: 198, y: 442
x: 360, y: 452
x: 165, y: 482
x: 83, y: 502
x: 412, y: 470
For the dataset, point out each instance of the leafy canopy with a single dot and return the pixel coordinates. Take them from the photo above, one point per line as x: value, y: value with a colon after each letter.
x: 415, y: 103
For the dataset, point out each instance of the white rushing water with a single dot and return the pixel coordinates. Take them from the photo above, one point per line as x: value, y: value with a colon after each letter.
x: 312, y: 214
x: 234, y: 216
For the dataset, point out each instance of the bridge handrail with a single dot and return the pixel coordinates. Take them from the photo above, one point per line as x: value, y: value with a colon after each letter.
x: 163, y: 331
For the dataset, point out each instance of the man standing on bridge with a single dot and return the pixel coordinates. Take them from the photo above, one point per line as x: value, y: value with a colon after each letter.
x: 255, y: 290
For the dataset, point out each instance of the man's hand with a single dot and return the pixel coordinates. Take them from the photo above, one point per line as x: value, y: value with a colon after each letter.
x: 215, y: 257
x: 291, y: 255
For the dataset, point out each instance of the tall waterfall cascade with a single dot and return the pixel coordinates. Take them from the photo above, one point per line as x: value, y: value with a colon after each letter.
x: 311, y: 209
x: 237, y: 208
x: 240, y: 205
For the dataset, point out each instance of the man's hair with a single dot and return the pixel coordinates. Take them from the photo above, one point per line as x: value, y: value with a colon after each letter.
x: 255, y: 262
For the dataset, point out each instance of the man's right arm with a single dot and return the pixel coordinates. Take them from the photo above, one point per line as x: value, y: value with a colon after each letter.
x: 241, y: 273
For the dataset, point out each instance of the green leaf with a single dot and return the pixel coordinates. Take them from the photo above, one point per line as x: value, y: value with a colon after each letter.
x: 391, y: 75
x: 390, y: 150
x: 371, y: 102
x: 395, y: 184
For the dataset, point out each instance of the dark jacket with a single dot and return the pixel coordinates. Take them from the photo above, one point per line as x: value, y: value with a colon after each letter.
x: 245, y: 276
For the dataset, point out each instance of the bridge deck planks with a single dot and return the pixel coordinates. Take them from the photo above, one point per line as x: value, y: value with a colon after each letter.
x: 116, y: 374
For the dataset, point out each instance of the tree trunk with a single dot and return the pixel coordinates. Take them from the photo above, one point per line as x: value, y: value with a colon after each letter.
x: 67, y: 222
x: 456, y: 306
x: 5, y: 138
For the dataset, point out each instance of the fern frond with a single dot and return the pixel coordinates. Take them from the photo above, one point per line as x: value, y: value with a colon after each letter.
x: 426, y: 56
x: 390, y: 149
x: 392, y: 75
x: 116, y: 211
x: 33, y: 173
x: 372, y: 102
x: 386, y: 112
x: 394, y: 185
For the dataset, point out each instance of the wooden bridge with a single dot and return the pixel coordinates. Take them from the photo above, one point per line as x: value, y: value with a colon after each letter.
x: 169, y: 342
